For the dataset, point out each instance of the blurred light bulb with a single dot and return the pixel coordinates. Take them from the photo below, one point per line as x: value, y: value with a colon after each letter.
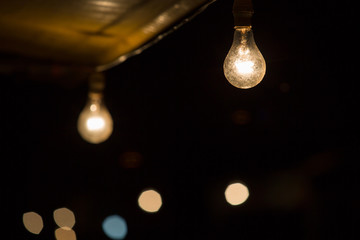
x: 33, y: 222
x: 244, y: 66
x: 150, y: 201
x: 95, y: 124
x: 236, y: 193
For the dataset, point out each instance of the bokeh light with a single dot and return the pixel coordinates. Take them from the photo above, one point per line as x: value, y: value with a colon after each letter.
x: 131, y: 160
x: 236, y: 193
x: 65, y: 234
x: 115, y: 227
x: 33, y: 222
x: 64, y: 218
x: 150, y: 201
x: 284, y: 87
x: 241, y: 117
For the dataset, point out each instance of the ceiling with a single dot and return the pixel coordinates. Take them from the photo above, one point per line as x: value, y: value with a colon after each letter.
x: 93, y: 33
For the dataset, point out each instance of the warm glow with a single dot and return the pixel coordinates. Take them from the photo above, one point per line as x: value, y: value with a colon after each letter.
x: 33, y: 222
x: 150, y: 201
x: 105, y: 4
x: 93, y: 107
x: 244, y: 65
x: 65, y: 234
x: 236, y: 193
x: 95, y: 123
x: 64, y: 218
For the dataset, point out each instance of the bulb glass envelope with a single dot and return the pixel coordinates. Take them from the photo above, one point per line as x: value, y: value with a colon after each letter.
x: 98, y: 33
x: 95, y: 123
x: 244, y: 65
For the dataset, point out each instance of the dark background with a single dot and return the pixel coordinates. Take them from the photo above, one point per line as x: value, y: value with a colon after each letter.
x: 291, y: 139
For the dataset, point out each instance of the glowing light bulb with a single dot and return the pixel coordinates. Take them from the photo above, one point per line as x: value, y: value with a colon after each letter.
x: 95, y: 124
x: 244, y: 66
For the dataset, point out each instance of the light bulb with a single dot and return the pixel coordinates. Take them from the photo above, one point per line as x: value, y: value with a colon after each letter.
x: 244, y: 66
x: 95, y: 124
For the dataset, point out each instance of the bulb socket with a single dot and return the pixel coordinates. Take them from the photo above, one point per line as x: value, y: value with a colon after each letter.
x: 96, y: 83
x: 95, y: 96
x: 242, y: 12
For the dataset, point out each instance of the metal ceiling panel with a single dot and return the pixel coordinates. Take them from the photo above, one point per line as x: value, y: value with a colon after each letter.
x: 98, y: 33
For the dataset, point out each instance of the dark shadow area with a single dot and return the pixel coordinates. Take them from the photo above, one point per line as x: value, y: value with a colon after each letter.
x: 182, y: 129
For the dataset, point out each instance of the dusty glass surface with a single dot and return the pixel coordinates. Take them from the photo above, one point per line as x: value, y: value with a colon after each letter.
x: 244, y: 65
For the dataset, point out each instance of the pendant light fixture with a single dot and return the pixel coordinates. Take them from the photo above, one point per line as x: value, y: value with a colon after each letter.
x: 244, y: 65
x: 95, y: 123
